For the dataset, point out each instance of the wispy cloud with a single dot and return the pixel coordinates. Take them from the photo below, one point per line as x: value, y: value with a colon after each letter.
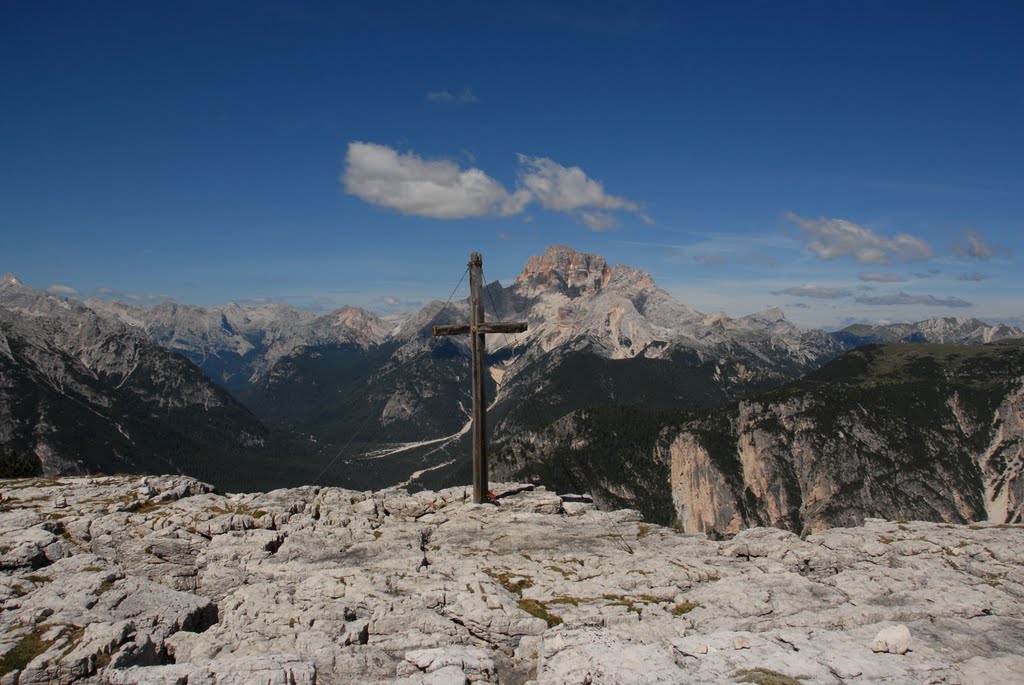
x: 907, y: 298
x: 143, y: 298
x: 392, y: 303
x: 975, y: 276
x: 466, y: 97
x: 59, y: 289
x: 148, y: 297
x: 833, y: 238
x: 881, y: 278
x: 709, y: 259
x: 927, y: 274
x: 598, y: 221
x: 974, y: 247
x: 442, y: 189
x: 815, y: 291
x: 527, y: 237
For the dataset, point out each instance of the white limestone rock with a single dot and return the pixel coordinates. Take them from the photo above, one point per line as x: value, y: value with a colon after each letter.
x: 160, y: 580
x: 894, y: 640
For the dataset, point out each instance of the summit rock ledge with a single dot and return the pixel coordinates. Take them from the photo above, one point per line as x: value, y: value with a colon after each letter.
x: 162, y: 580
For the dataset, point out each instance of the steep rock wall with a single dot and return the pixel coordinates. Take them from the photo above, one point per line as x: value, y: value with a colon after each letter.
x: 949, y: 448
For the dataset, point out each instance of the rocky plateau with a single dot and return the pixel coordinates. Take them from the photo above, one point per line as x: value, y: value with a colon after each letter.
x: 162, y: 580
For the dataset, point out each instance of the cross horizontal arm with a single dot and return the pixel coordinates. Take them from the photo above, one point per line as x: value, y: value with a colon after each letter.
x: 492, y: 327
x: 501, y: 327
x: 459, y: 329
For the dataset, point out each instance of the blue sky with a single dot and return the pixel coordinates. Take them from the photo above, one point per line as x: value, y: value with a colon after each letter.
x: 854, y: 161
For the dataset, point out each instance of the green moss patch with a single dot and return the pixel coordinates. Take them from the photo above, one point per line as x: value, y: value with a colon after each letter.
x: 512, y: 582
x: 764, y: 676
x: 540, y: 610
x: 683, y: 608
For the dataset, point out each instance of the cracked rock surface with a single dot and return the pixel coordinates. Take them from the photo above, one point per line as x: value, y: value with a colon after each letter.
x: 162, y: 580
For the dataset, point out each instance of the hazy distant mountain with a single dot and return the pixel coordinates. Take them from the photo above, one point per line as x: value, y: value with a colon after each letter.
x: 81, y: 393
x: 948, y: 330
x: 236, y: 344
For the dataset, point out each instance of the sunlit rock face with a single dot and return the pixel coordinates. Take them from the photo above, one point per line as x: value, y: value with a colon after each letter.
x: 163, y: 580
x: 562, y: 268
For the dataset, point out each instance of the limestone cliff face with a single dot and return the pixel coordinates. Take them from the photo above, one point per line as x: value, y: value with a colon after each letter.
x: 906, y: 435
x: 564, y: 268
x: 705, y: 499
x: 1002, y: 462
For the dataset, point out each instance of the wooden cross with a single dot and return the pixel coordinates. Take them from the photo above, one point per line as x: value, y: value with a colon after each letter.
x: 478, y: 329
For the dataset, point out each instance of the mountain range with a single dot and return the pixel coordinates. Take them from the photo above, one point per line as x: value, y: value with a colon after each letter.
x: 234, y: 344
x: 81, y: 392
x: 365, y: 401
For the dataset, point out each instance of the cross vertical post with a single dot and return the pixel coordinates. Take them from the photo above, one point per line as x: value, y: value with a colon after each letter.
x: 478, y: 328
x: 479, y: 350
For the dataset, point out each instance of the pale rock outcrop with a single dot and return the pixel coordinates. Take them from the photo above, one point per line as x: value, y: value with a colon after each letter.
x: 160, y: 580
x: 894, y: 640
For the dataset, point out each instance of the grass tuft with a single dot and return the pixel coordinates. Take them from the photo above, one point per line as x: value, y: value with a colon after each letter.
x: 540, y: 610
x: 764, y: 676
x: 683, y: 608
x: 505, y: 579
x: 28, y: 648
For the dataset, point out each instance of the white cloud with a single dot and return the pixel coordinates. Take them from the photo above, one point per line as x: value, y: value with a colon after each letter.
x: 906, y: 298
x: 564, y: 189
x: 466, y: 97
x: 974, y: 248
x: 441, y: 189
x: 58, y: 289
x: 598, y: 221
x: 438, y: 189
x: 816, y: 291
x: 881, y: 278
x: 832, y: 238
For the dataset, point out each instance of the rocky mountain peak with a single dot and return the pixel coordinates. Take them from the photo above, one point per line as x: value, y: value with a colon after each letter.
x: 769, y: 315
x: 364, y: 327
x: 9, y: 279
x: 563, y: 268
x: 627, y: 276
